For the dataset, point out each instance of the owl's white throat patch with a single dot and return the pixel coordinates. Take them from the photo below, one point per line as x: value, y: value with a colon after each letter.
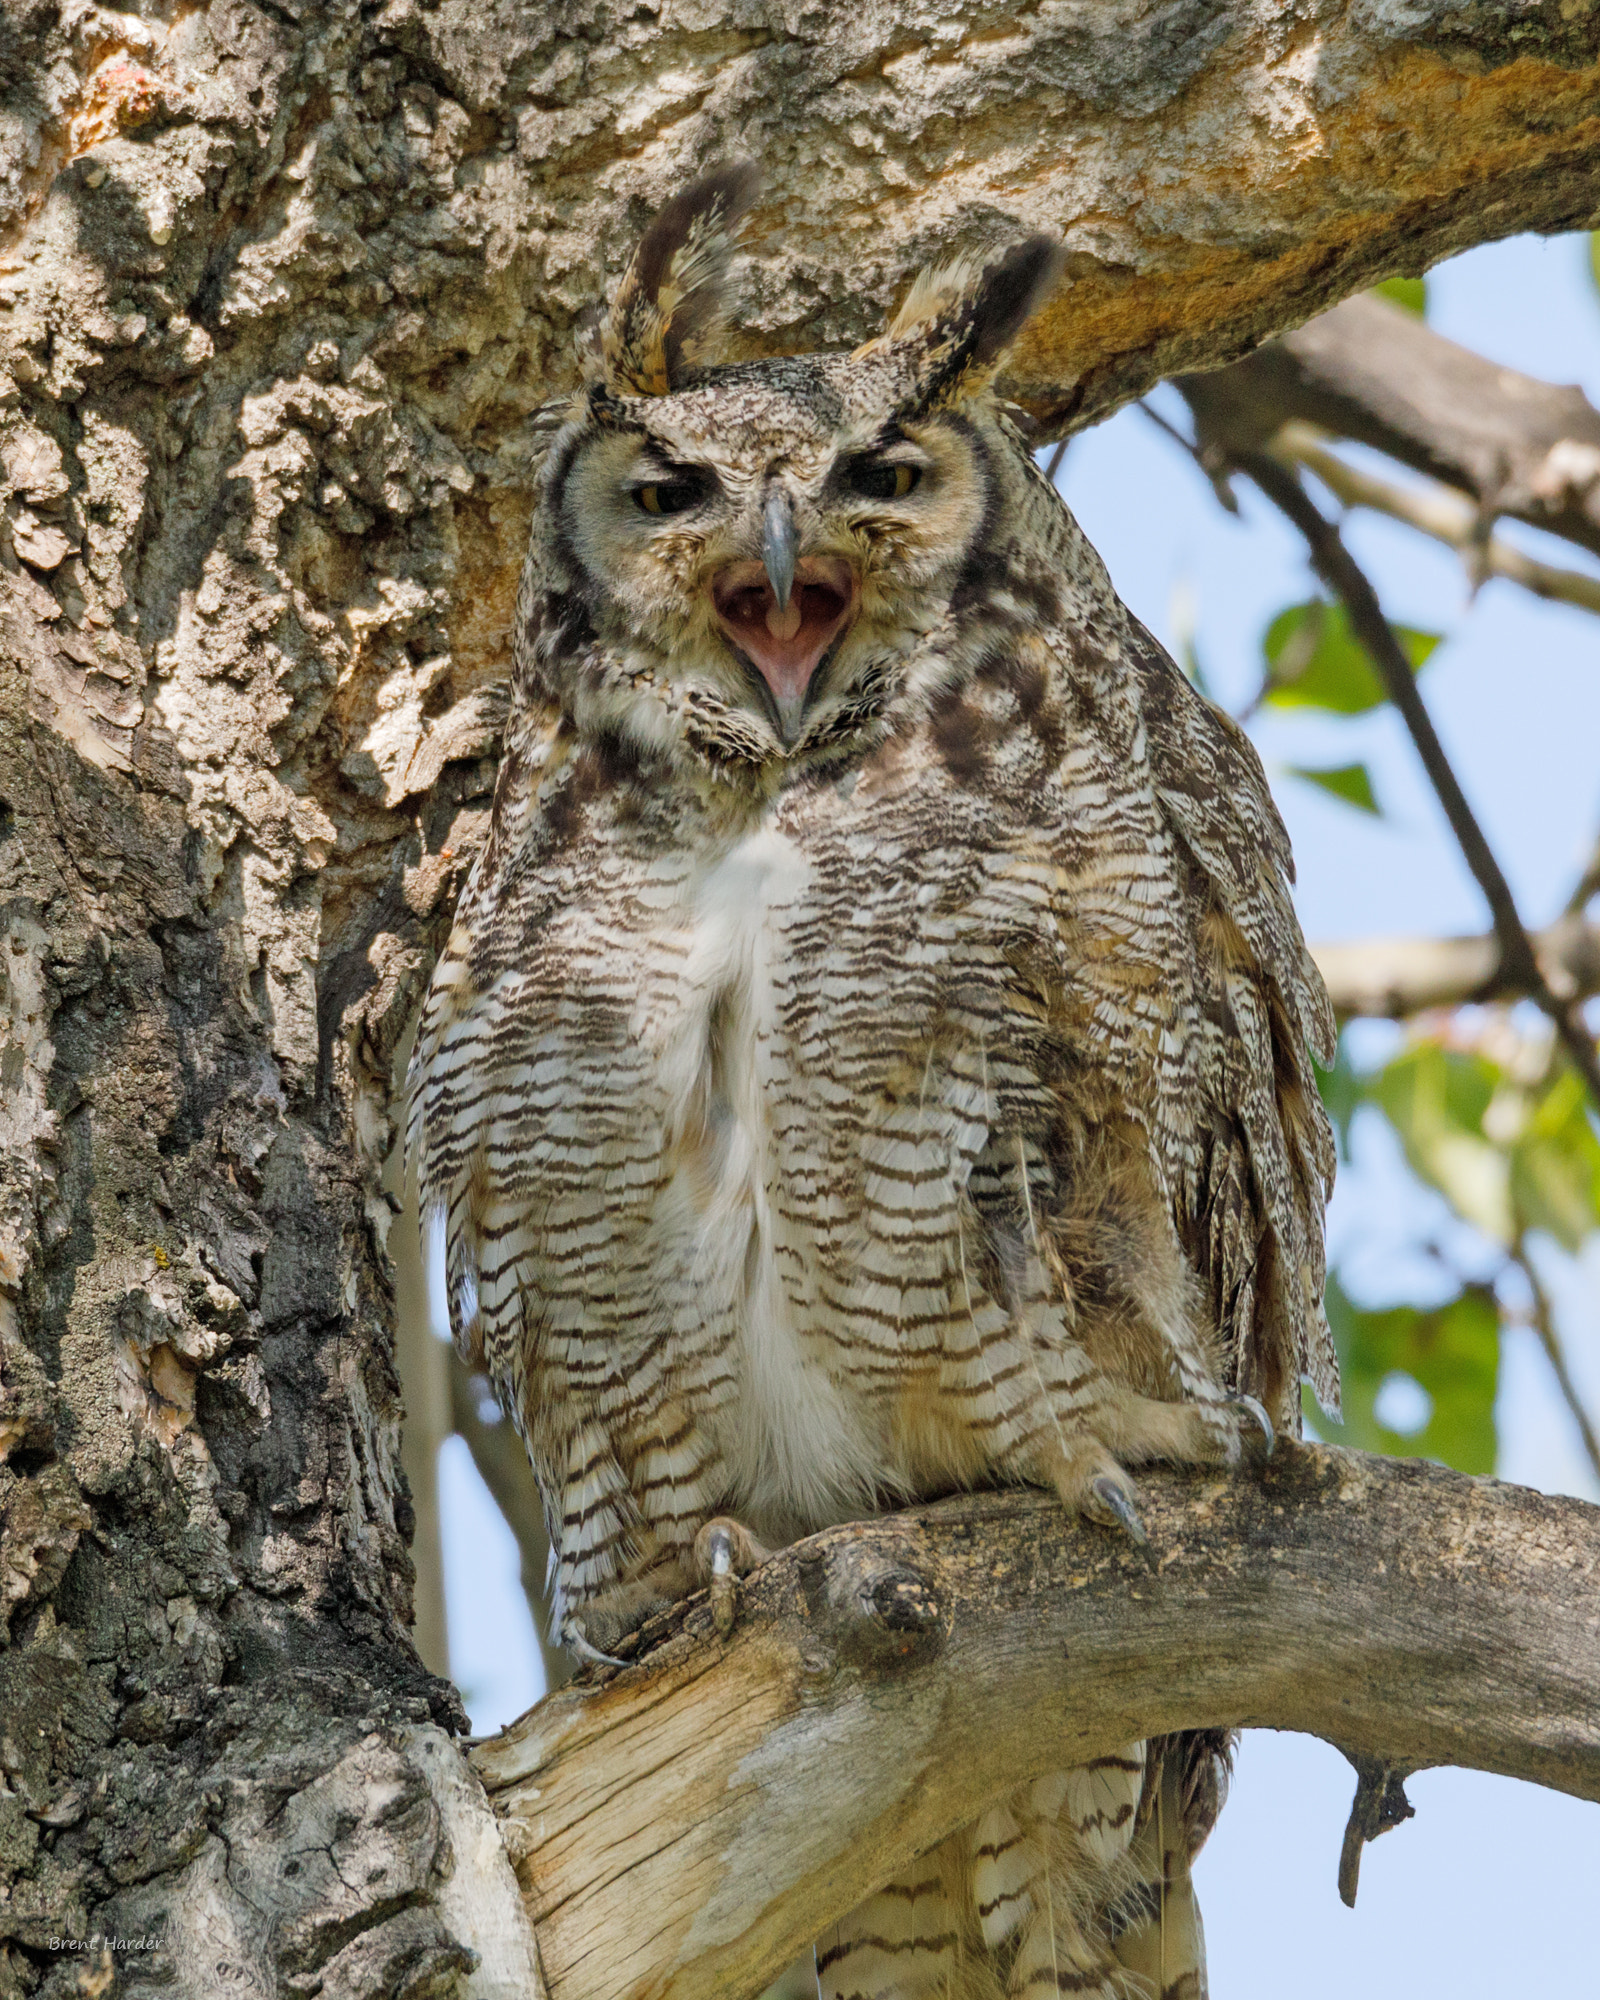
x: 795, y: 1448
x: 785, y: 643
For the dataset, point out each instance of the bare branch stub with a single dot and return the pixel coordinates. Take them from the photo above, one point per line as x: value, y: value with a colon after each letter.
x: 1379, y: 1805
x: 686, y: 1825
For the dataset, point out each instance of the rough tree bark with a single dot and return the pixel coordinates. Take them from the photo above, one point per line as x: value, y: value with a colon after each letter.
x: 280, y: 287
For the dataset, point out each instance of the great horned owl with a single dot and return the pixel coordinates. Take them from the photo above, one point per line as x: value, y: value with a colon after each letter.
x: 870, y: 1058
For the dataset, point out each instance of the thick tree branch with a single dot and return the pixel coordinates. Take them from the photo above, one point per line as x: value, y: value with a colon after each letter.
x: 687, y: 1827
x: 1372, y: 372
x: 1391, y: 978
x: 1345, y: 578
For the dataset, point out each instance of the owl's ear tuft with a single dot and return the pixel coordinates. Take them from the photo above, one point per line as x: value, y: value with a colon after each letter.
x: 673, y: 297
x: 958, y: 319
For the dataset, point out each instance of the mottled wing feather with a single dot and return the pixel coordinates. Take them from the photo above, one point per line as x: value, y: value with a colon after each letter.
x: 1272, y: 1159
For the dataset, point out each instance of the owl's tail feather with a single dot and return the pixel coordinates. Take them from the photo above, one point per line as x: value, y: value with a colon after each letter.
x: 1027, y: 1903
x: 912, y: 1940
x: 1164, y: 1941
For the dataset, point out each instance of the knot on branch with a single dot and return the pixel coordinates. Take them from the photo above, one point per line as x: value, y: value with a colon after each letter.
x: 881, y: 1610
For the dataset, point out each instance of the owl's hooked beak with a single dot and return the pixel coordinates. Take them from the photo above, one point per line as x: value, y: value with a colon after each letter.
x: 780, y: 544
x: 782, y: 624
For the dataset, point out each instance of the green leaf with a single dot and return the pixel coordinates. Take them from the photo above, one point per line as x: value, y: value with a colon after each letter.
x: 1555, y: 1163
x: 1450, y: 1351
x: 1314, y: 660
x: 1412, y: 293
x: 1436, y: 1099
x: 1509, y: 1153
x: 1350, y: 782
x: 1594, y: 257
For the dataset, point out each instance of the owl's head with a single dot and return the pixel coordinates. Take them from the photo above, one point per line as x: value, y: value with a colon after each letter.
x: 752, y: 563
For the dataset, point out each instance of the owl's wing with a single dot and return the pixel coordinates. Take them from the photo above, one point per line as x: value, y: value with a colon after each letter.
x: 1264, y: 1142
x: 456, y: 1084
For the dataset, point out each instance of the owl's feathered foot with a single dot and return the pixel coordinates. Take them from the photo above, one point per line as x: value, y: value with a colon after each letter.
x: 596, y: 1631
x: 1086, y: 1470
x: 725, y: 1550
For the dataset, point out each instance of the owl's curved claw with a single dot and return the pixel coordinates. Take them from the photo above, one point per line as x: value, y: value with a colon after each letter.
x: 723, y: 1591
x: 1114, y: 1497
x: 1238, y: 1397
x: 572, y: 1638
x: 725, y: 1550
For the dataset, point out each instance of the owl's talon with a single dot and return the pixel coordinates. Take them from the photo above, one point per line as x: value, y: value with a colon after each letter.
x: 724, y: 1589
x: 591, y: 1656
x: 1114, y: 1497
x: 1242, y: 1401
x: 725, y: 1550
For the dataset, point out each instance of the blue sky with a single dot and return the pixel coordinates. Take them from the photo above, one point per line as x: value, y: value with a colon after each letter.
x: 1485, y: 1893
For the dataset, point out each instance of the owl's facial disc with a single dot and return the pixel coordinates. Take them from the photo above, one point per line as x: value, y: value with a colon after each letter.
x: 785, y: 646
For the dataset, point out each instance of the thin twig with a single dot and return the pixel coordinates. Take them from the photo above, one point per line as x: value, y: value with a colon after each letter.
x: 1435, y: 511
x: 1056, y: 457
x: 1346, y: 579
x: 1541, y: 1318
x: 1207, y: 460
x: 1587, y: 886
x: 1149, y: 409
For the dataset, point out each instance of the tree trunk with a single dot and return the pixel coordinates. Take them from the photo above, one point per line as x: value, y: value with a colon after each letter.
x: 280, y: 289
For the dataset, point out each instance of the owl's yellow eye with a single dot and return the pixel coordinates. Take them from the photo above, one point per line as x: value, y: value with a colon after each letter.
x: 874, y: 480
x: 670, y: 496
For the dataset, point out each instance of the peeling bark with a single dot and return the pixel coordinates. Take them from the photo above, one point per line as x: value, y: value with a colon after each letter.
x: 280, y: 289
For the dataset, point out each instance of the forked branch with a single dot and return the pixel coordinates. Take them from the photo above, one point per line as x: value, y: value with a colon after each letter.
x: 686, y: 1828
x: 1373, y: 373
x: 1440, y: 513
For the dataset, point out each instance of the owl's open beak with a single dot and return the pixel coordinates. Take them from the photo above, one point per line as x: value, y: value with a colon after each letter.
x: 785, y: 642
